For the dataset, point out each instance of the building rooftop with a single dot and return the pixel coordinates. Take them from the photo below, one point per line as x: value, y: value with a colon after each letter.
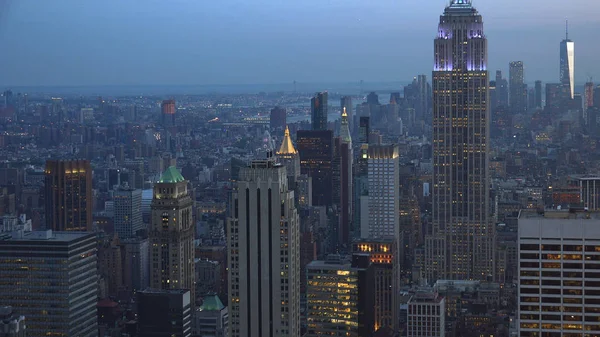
x: 170, y: 176
x: 572, y: 213
x: 286, y: 145
x: 163, y: 291
x: 212, y: 303
x: 47, y: 235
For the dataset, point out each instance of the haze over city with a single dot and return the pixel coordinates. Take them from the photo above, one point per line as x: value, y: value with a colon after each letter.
x: 184, y: 42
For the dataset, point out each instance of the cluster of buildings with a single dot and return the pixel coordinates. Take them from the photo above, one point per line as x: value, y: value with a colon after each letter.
x: 467, y: 206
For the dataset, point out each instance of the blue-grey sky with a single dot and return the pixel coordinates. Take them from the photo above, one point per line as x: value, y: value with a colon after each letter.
x: 121, y: 42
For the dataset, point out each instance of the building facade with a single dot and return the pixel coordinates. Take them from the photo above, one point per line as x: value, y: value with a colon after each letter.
x: 172, y: 235
x: 559, y: 286
x: 316, y: 161
x: 319, y: 108
x: 165, y: 312
x: 460, y: 196
x: 51, y: 279
x: 128, y: 212
x: 384, y: 192
x: 517, y: 87
x: 68, y: 195
x: 211, y: 319
x: 426, y: 315
x: 264, y: 254
x: 11, y: 324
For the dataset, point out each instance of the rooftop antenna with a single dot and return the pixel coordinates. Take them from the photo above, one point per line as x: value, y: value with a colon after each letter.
x: 567, y: 29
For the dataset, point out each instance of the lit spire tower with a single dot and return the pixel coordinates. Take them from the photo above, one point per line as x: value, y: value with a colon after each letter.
x: 461, y: 244
x: 567, y: 63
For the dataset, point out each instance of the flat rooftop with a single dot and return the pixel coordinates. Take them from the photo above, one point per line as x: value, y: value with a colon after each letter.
x: 48, y: 235
x: 572, y: 214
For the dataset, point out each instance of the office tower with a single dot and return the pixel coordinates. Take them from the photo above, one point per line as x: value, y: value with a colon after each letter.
x: 559, y: 288
x: 460, y: 168
x: 68, y: 195
x: 51, y: 279
x: 567, y: 64
x: 384, y: 192
x: 501, y: 89
x: 288, y: 156
x: 168, y: 112
x: 493, y: 96
x: 346, y: 156
x: 278, y: 120
x: 384, y: 257
x: 346, y: 104
x: 530, y: 98
x: 553, y: 95
x: 518, y: 91
x: 423, y: 98
x: 426, y: 315
x: 136, y: 264
x: 364, y: 129
x: 538, y: 94
x: 340, y: 297
x: 589, y: 190
x: 166, y: 312
x: 318, y: 105
x: 172, y: 235
x: 11, y: 324
x: 589, y: 95
x: 211, y: 318
x: 264, y: 255
x: 316, y: 161
x: 128, y: 212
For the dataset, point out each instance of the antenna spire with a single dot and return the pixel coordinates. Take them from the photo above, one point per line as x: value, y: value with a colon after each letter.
x: 567, y: 29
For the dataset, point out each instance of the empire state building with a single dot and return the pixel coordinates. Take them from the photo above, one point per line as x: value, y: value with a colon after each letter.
x: 460, y: 245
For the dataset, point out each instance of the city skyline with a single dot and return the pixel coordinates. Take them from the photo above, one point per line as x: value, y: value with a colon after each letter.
x: 140, y: 52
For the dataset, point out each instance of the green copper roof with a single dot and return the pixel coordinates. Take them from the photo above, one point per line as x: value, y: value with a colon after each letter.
x: 171, y: 175
x: 212, y: 303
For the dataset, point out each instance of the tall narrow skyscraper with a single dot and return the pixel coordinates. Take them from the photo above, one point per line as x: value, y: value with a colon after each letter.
x: 172, y: 234
x: 567, y: 63
x: 264, y: 254
x: 538, y: 94
x: 318, y: 105
x: 346, y: 103
x: 68, y: 195
x: 460, y: 146
x: 517, y: 87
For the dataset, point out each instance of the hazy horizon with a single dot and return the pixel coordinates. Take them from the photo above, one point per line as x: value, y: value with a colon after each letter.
x: 234, y: 42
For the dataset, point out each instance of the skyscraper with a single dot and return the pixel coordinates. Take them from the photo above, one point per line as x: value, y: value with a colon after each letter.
x: 164, y: 313
x: 384, y: 192
x: 68, y: 195
x: 316, y: 161
x: 168, y: 112
x: 567, y: 63
x: 264, y: 254
x: 51, y: 279
x: 501, y: 90
x: 172, y: 234
x: 346, y: 103
x: 344, y: 145
x: 538, y: 94
x: 460, y: 146
x: 288, y: 156
x: 589, y: 95
x: 318, y: 105
x: 278, y: 118
x: 128, y: 212
x: 518, y: 90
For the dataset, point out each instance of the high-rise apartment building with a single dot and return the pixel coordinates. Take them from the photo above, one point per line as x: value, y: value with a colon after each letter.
x: 384, y: 258
x: 340, y: 297
x: 589, y: 95
x: 426, y: 315
x: 51, y: 279
x: 128, y: 212
x: 501, y: 90
x: 559, y: 282
x: 384, y: 192
x: 460, y: 148
x: 518, y: 89
x: 264, y: 254
x: 316, y: 161
x: 68, y: 195
x: 319, y: 109
x: 567, y: 64
x: 172, y: 235
x: 166, y: 312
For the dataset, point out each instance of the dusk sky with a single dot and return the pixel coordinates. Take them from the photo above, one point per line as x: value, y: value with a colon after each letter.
x: 122, y: 42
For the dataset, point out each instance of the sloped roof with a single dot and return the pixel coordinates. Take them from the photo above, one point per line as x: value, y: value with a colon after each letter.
x: 171, y: 175
x: 286, y: 146
x: 212, y: 303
